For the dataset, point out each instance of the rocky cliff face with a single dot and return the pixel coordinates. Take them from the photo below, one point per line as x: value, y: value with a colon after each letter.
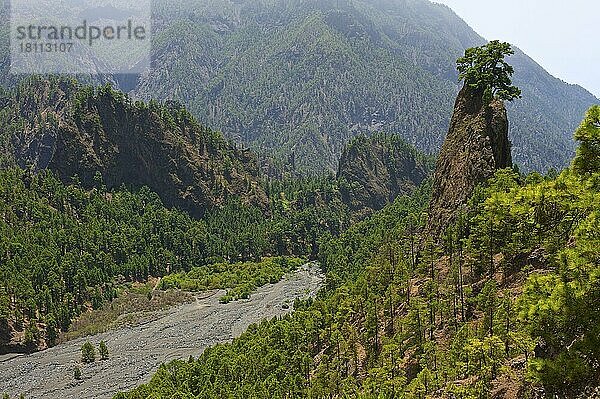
x: 476, y: 146
x: 75, y: 130
x: 378, y: 169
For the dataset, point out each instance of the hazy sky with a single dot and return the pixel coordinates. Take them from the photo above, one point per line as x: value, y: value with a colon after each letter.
x: 561, y: 35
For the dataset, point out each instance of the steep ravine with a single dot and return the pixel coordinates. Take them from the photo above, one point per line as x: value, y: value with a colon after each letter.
x: 137, y: 352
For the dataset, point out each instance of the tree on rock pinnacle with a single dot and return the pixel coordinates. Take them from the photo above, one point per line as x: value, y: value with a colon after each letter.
x: 485, y: 70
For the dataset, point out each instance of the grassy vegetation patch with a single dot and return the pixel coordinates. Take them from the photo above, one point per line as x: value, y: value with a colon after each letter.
x: 240, y: 279
x: 135, y: 303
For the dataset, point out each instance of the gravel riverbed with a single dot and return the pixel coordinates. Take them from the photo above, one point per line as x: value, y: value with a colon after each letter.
x: 137, y: 352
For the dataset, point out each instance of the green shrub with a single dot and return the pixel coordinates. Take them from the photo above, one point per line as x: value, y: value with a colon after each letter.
x: 88, y: 353
x: 103, y: 350
x: 77, y: 373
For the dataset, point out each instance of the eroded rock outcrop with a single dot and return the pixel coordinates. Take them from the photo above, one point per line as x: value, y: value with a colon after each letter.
x: 476, y: 146
x: 378, y: 169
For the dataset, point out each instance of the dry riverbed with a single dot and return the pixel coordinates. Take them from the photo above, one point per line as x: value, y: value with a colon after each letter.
x: 137, y: 352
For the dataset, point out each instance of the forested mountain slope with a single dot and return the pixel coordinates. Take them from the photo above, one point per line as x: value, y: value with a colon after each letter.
x: 304, y: 77
x: 506, y: 307
x: 66, y: 249
x: 80, y: 131
x: 90, y: 187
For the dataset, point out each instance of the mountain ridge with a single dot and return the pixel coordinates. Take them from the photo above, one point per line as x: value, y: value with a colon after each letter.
x: 306, y: 77
x: 254, y: 70
x: 102, y: 136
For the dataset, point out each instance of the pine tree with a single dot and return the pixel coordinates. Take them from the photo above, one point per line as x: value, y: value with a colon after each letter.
x: 587, y: 160
x: 103, y: 350
x: 77, y: 373
x: 484, y: 69
x: 88, y: 353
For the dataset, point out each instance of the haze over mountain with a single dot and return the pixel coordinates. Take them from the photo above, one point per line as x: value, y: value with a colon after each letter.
x: 304, y: 77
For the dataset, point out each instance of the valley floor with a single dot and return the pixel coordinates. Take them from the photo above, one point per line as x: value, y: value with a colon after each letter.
x: 137, y: 352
